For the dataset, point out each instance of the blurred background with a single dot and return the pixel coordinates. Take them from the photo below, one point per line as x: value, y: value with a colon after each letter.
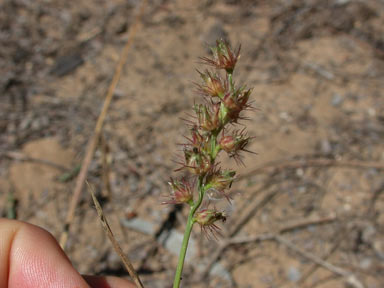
x: 307, y: 210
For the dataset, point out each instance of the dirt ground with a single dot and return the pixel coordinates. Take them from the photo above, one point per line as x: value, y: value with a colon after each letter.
x: 308, y: 209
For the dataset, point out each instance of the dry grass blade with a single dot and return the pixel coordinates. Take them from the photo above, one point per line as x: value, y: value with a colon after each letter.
x: 92, y: 144
x: 106, y: 192
x: 113, y: 240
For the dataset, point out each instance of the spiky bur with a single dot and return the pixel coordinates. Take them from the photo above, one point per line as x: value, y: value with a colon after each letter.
x: 212, y: 131
x: 207, y: 218
x: 181, y: 192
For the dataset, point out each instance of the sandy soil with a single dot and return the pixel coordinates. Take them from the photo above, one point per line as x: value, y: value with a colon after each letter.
x: 317, y: 72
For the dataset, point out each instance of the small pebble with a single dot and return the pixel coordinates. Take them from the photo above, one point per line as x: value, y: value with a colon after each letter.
x: 293, y: 274
x: 219, y: 270
x: 337, y: 100
x: 173, y: 244
x: 371, y: 112
x: 365, y: 264
x: 325, y: 147
x: 140, y: 225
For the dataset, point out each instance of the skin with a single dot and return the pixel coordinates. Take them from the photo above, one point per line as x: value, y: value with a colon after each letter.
x: 30, y: 257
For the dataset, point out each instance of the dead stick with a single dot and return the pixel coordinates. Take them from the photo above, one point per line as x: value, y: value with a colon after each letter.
x: 252, y: 209
x: 107, y: 229
x: 262, y: 237
x: 325, y: 257
x: 314, y: 162
x: 22, y: 157
x: 238, y: 225
x: 287, y: 228
x: 350, y: 278
x: 92, y: 144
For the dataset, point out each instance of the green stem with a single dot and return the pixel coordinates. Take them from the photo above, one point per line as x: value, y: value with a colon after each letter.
x: 230, y: 80
x: 183, y: 251
x: 187, y: 234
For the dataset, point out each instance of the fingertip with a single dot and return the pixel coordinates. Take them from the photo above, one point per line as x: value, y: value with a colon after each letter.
x: 8, y: 230
x: 107, y: 282
x: 34, y: 258
x: 31, y: 257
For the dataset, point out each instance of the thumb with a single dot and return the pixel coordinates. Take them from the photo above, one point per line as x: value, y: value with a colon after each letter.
x: 30, y: 257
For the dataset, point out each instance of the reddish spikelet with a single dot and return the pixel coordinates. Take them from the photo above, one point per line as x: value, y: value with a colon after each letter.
x: 235, y: 143
x: 223, y: 57
x: 221, y: 180
x: 181, y: 192
x: 197, y: 163
x: 208, y: 117
x: 213, y: 85
x: 235, y: 103
x: 206, y: 218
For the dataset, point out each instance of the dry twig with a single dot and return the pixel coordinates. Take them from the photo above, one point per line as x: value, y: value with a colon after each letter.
x: 312, y: 162
x: 326, y: 255
x: 262, y: 237
x: 92, y: 144
x: 251, y: 210
x: 287, y: 228
x: 128, y: 265
x: 277, y: 166
x: 237, y: 226
x: 350, y: 278
x: 22, y: 157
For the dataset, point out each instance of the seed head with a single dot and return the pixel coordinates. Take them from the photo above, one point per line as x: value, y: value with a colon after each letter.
x: 213, y: 85
x: 235, y: 103
x: 197, y: 140
x: 197, y: 162
x: 227, y: 143
x: 235, y: 143
x: 208, y: 118
x: 224, y: 103
x: 181, y: 192
x: 223, y: 57
x: 207, y: 218
x: 221, y: 180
